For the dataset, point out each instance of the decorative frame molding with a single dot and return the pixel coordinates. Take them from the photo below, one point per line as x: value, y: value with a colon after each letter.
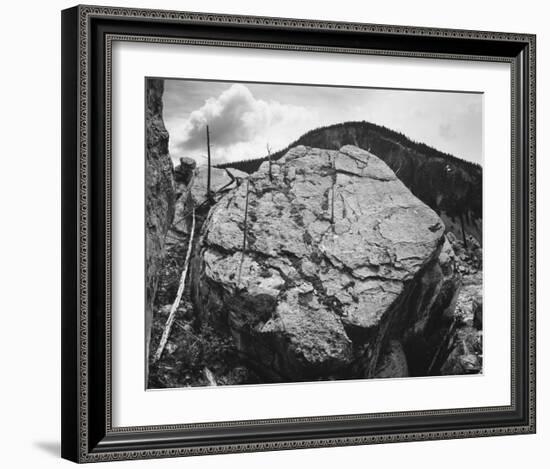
x: 88, y: 34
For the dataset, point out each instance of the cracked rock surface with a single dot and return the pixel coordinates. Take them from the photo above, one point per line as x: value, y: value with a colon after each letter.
x: 340, y: 259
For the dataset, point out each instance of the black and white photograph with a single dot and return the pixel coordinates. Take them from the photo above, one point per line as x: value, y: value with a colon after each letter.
x: 285, y: 230
x: 300, y: 233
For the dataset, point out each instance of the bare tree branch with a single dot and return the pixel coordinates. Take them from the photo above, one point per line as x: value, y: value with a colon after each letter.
x: 209, y: 163
x: 269, y: 159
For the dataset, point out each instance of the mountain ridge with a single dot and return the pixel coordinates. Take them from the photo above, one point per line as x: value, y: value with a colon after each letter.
x: 449, y: 185
x: 372, y: 125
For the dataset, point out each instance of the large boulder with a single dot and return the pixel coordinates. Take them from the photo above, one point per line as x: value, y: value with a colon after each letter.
x: 183, y: 173
x: 339, y: 259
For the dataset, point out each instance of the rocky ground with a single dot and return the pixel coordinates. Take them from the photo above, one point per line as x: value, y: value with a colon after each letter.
x: 465, y: 351
x: 195, y: 354
x: 316, y: 283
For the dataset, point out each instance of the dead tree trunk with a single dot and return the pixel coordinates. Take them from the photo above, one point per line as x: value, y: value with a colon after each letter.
x: 269, y: 159
x: 175, y: 305
x: 244, y: 233
x: 208, y: 191
x: 333, y: 191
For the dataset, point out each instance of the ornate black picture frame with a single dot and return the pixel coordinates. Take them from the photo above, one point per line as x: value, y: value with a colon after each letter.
x: 88, y: 33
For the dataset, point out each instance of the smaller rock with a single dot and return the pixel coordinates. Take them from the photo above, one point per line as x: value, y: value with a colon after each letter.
x: 184, y: 171
x: 164, y: 310
x: 470, y: 300
x: 170, y: 348
x: 315, y: 341
x: 447, y: 258
x: 465, y: 356
x: 184, y: 309
x: 451, y: 238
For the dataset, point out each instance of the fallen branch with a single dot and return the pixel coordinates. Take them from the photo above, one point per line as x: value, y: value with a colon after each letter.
x: 175, y: 305
x: 210, y: 377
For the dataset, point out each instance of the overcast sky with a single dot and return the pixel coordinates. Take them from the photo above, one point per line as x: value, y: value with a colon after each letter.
x: 244, y: 117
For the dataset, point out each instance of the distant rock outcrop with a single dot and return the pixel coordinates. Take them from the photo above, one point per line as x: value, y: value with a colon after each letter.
x: 159, y: 200
x: 343, y: 268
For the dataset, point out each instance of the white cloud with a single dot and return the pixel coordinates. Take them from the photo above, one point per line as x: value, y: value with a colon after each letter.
x: 240, y: 126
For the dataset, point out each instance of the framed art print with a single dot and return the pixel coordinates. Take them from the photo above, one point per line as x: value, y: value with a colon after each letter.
x: 283, y: 233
